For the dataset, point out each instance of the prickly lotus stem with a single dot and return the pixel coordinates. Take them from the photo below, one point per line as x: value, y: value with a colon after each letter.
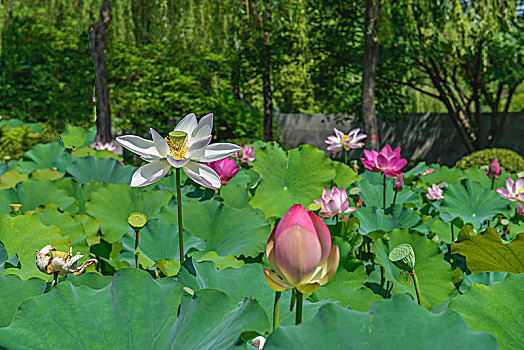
x: 51, y: 261
x: 403, y: 257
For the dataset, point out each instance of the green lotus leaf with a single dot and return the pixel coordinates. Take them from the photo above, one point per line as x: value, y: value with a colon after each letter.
x: 13, y: 291
x: 112, y: 204
x: 226, y: 230
x: 433, y: 272
x: 473, y: 203
x: 374, y: 219
x: 11, y: 178
x: 485, y: 252
x: 350, y: 289
x: 485, y: 278
x: 90, y: 279
x: 91, y: 227
x: 443, y: 229
x: 246, y: 281
x: 396, y: 323
x: 479, y: 175
x: 297, y: 176
x: 133, y: 312
x: 443, y: 174
x: 158, y: 240
x: 344, y: 176
x: 107, y: 170
x: 88, y: 151
x: 497, y: 309
x: 46, y: 174
x: 6, y: 261
x: 236, y: 192
x: 23, y: 234
x: 43, y: 156
x: 221, y: 262
x: 372, y: 193
x: 77, y: 137
x: 33, y: 193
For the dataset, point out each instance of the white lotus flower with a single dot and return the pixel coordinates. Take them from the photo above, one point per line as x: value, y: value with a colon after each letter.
x: 185, y: 147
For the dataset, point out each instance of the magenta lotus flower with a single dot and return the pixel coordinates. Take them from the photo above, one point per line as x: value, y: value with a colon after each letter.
x: 398, y: 184
x: 494, y: 171
x: 299, y: 252
x: 514, y: 190
x: 226, y: 169
x: 334, y: 202
x: 386, y: 161
x: 247, y: 153
x: 349, y: 141
x: 434, y: 193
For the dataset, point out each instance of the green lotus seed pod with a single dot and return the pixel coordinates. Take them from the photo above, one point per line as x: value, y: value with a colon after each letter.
x: 15, y: 207
x: 314, y: 206
x: 137, y: 221
x: 403, y: 257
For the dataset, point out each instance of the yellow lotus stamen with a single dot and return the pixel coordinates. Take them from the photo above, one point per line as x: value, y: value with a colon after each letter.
x: 346, y: 137
x: 177, y: 142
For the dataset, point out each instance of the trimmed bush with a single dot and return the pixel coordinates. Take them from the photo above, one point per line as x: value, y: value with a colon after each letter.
x: 511, y: 161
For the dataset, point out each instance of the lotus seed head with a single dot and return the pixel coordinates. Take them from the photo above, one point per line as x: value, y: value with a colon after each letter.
x: 137, y: 221
x: 403, y: 257
x: 15, y: 207
x: 314, y: 206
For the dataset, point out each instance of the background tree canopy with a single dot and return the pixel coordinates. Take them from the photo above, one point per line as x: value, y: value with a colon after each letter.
x: 167, y: 58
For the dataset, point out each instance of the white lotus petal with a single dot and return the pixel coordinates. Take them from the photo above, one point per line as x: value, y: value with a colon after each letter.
x: 138, y: 145
x: 160, y: 143
x: 188, y: 124
x: 150, y: 173
x: 204, y: 127
x: 177, y: 163
x: 198, y: 148
x: 202, y: 174
x: 217, y: 151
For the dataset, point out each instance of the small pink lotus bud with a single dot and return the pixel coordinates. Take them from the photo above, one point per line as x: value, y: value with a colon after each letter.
x: 494, y: 169
x: 398, y: 185
x: 434, y: 193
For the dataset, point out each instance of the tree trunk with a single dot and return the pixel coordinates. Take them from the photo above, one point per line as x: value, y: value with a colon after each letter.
x: 97, y: 45
x: 369, y: 73
x: 266, y: 76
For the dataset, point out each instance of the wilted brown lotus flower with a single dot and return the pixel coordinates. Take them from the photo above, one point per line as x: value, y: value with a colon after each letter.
x: 50, y: 261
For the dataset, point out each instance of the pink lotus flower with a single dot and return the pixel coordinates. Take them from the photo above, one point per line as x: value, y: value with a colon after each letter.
x: 386, y: 161
x: 514, y: 190
x: 434, y: 193
x: 334, y: 202
x: 226, y: 169
x: 494, y: 169
x: 259, y: 342
x: 429, y: 171
x: 299, y: 252
x: 247, y: 153
x: 339, y: 140
x: 109, y: 146
x: 398, y: 184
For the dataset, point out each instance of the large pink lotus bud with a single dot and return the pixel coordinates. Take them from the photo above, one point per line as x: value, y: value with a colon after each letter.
x: 299, y: 252
x: 386, y: 161
x: 334, y: 202
x: 226, y: 169
x: 494, y: 169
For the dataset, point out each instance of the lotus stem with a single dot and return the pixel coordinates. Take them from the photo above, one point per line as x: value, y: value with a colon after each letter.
x: 382, y: 279
x: 293, y: 299
x: 300, y: 299
x: 452, y: 233
x: 276, y: 310
x: 384, y: 191
x: 492, y: 183
x: 55, y: 279
x: 345, y: 157
x: 137, y: 234
x: 417, y: 288
x: 180, y: 229
x: 394, y: 198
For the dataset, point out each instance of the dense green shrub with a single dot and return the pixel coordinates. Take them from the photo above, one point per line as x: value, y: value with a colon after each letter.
x: 151, y: 86
x: 45, y: 71
x: 511, y: 161
x: 17, y: 137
